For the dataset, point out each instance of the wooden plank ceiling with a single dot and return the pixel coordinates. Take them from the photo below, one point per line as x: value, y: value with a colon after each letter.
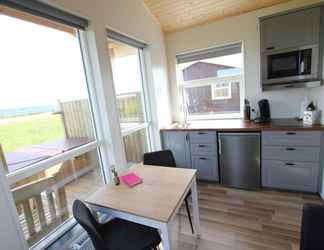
x: 175, y: 15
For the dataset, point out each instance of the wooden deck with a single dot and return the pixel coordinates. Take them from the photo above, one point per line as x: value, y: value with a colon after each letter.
x: 79, y: 188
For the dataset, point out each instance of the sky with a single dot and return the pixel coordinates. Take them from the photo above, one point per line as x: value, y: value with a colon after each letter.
x: 235, y: 60
x: 127, y: 78
x: 38, y: 65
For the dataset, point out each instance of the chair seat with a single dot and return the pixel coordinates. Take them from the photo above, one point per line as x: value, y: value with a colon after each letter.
x: 120, y: 234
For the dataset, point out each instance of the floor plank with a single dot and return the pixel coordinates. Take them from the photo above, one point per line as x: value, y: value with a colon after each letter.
x: 237, y: 219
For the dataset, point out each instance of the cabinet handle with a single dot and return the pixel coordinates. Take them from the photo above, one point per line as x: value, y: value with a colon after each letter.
x: 290, y: 149
x: 202, y: 133
x: 203, y: 158
x: 290, y: 164
x: 187, y: 138
x: 219, y: 146
x: 270, y: 48
x: 290, y: 133
x: 202, y: 146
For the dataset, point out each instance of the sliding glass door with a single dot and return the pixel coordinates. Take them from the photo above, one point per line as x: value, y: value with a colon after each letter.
x: 49, y: 148
x: 130, y: 90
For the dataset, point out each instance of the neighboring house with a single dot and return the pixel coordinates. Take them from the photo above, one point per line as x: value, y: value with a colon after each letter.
x: 211, y: 96
x: 200, y: 70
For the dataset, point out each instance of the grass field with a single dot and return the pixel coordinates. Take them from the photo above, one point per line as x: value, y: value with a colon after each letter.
x: 24, y: 131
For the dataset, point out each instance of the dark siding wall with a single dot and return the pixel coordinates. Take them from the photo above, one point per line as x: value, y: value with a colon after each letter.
x: 202, y: 70
x: 200, y: 101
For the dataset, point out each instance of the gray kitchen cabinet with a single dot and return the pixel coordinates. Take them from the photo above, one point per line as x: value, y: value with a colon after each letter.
x: 194, y: 149
x: 293, y: 29
x: 207, y: 167
x: 204, y: 155
x: 296, y: 176
x: 291, y: 160
x: 178, y: 143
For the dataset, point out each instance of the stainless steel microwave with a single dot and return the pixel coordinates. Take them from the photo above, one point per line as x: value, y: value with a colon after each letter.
x: 286, y: 68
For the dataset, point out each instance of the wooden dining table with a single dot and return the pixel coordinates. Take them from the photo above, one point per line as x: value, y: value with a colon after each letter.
x: 155, y: 202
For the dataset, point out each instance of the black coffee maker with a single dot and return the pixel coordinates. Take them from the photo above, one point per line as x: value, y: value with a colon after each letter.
x: 264, y: 111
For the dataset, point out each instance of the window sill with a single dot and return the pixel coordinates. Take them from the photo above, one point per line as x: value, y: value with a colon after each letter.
x: 194, y: 118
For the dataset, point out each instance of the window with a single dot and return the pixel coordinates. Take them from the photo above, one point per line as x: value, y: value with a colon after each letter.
x: 221, y: 91
x: 211, y: 83
x: 127, y: 65
x: 48, y: 142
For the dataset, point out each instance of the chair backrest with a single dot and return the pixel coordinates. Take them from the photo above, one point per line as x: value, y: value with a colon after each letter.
x: 312, y: 227
x: 85, y: 218
x: 160, y: 158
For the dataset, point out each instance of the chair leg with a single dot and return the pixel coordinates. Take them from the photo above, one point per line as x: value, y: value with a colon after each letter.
x: 189, y: 215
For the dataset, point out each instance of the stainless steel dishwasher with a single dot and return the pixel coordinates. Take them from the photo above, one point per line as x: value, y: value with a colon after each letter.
x: 239, y: 158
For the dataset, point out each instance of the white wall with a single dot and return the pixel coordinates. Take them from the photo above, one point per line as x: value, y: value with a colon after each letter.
x: 284, y: 103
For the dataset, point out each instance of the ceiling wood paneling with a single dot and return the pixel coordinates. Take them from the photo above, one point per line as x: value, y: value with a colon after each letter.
x: 174, y: 15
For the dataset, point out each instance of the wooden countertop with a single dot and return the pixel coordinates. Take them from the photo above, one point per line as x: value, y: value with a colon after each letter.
x: 239, y: 125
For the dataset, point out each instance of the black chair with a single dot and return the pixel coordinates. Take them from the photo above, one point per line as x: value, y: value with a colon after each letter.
x: 165, y: 158
x: 116, y: 234
x: 312, y: 227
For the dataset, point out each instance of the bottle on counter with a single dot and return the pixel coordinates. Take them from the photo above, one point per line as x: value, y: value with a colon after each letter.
x: 115, y: 176
x: 247, y: 110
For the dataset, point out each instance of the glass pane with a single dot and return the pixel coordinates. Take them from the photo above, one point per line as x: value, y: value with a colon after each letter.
x: 135, y: 146
x: 44, y: 200
x: 44, y: 106
x: 205, y: 86
x: 200, y: 100
x: 128, y: 84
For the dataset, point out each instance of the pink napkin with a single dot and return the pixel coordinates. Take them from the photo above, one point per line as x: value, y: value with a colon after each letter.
x: 131, y: 179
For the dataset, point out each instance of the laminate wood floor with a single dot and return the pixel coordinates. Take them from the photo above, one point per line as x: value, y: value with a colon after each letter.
x: 234, y: 219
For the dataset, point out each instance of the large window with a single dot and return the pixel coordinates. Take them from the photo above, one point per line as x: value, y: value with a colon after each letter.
x: 127, y: 66
x: 48, y: 142
x: 211, y: 83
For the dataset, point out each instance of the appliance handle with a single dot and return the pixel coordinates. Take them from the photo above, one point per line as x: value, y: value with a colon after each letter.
x: 301, y: 63
x: 219, y: 146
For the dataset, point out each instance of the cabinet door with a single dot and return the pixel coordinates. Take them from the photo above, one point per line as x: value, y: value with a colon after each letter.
x: 290, y: 30
x: 296, y: 176
x: 178, y: 143
x: 207, y: 167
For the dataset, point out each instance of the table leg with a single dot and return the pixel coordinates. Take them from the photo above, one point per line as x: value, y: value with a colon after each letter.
x: 195, y: 208
x: 165, y: 235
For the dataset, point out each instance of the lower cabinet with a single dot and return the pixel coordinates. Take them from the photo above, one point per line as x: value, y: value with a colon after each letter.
x: 178, y: 143
x: 291, y: 160
x: 207, y: 167
x: 297, y: 176
x: 204, y: 155
x: 195, y: 149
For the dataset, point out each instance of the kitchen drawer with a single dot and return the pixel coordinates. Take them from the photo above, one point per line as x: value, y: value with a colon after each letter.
x: 203, y: 137
x: 296, y: 176
x: 203, y: 149
x: 290, y: 153
x: 207, y: 167
x: 292, y: 138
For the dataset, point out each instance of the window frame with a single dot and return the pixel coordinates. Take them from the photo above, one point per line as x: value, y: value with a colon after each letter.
x: 145, y: 101
x: 228, y: 88
x: 217, y: 50
x: 97, y: 144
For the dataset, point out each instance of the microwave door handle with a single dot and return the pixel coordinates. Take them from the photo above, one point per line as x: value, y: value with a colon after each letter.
x: 301, y: 64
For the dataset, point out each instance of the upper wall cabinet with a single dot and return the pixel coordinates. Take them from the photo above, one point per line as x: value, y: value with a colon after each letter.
x: 290, y: 30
